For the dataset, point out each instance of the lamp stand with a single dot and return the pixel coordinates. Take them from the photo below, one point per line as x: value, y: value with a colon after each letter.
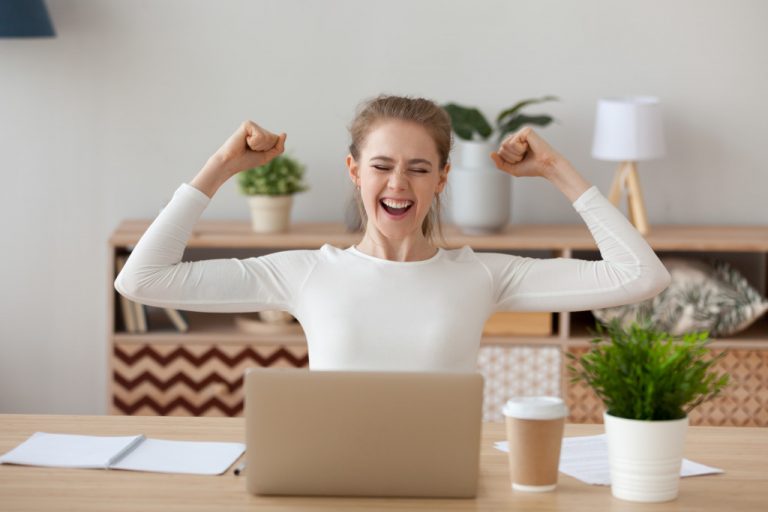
x: 626, y: 179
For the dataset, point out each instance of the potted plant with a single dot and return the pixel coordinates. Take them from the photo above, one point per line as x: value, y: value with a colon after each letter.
x: 270, y: 190
x: 648, y: 381
x: 480, y: 194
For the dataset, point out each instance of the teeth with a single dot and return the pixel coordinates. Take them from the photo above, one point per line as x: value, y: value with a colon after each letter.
x: 396, y: 204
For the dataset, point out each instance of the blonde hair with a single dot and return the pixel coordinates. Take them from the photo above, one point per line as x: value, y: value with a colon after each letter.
x: 422, y: 111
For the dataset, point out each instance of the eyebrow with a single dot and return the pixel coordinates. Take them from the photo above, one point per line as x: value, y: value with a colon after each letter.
x: 411, y: 161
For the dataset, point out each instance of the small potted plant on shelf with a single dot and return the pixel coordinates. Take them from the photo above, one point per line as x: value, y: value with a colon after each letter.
x: 479, y: 193
x: 270, y: 190
x: 648, y: 381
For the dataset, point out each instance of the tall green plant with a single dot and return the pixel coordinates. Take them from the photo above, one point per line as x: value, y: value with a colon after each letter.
x: 281, y: 176
x: 468, y: 121
x: 643, y: 374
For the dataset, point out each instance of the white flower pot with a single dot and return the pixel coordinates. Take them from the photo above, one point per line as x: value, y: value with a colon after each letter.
x: 479, y: 193
x: 645, y: 457
x: 270, y: 214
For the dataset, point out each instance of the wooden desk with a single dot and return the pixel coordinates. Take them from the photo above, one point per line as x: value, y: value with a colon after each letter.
x: 741, y: 452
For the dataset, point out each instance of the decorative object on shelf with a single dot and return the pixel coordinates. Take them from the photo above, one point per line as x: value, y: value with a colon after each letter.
x: 178, y: 319
x: 648, y: 381
x: 25, y: 18
x: 275, y: 316
x: 479, y: 194
x: 518, y: 323
x: 629, y: 129
x: 254, y: 323
x: 270, y: 188
x: 701, y: 297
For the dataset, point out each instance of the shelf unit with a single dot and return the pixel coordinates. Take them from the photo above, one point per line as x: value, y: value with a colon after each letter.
x: 167, y: 372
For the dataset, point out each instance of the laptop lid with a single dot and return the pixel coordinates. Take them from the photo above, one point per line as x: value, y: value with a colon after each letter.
x: 333, y: 433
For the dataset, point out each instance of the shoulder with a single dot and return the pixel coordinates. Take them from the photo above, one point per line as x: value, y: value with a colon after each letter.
x: 466, y: 254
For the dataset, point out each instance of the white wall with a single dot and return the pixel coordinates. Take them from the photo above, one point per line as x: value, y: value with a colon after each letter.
x: 103, y: 123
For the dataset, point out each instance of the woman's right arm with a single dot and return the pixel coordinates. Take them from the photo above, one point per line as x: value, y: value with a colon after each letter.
x: 155, y: 275
x: 250, y: 146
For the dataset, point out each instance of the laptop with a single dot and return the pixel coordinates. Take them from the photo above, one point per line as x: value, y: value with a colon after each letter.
x: 359, y: 433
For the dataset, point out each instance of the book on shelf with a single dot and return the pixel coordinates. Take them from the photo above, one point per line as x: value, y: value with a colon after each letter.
x: 141, y: 317
x: 178, y: 319
x: 135, y: 315
x: 126, y: 305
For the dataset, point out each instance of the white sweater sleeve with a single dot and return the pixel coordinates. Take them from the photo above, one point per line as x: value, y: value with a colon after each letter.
x: 629, y: 272
x: 155, y: 275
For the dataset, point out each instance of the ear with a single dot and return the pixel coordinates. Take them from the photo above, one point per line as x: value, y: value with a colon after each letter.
x: 443, y: 180
x: 353, y: 168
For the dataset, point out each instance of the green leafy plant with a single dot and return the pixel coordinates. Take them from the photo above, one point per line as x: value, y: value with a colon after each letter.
x: 468, y: 121
x: 644, y: 374
x: 281, y: 176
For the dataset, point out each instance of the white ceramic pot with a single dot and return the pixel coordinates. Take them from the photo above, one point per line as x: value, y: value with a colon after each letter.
x: 479, y: 193
x: 645, y: 457
x: 270, y: 214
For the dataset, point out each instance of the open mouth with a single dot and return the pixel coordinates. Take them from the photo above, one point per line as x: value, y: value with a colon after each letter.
x: 396, y: 208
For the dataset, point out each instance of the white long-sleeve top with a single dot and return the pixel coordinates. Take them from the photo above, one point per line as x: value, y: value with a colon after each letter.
x: 360, y: 312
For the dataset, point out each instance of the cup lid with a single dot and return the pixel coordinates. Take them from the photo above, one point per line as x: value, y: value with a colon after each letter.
x: 535, y: 408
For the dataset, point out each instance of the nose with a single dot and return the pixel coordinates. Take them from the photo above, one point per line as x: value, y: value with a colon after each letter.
x: 397, y: 179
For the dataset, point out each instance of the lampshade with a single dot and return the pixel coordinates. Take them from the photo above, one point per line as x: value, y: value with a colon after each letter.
x: 628, y: 129
x: 24, y: 18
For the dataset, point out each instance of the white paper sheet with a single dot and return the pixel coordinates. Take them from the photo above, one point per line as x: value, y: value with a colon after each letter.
x: 68, y: 450
x: 190, y: 457
x: 134, y: 453
x: 586, y: 458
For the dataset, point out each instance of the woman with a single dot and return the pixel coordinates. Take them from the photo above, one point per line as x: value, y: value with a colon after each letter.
x: 394, y: 301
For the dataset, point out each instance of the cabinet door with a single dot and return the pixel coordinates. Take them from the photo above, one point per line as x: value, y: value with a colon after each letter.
x: 517, y: 371
x: 190, y: 379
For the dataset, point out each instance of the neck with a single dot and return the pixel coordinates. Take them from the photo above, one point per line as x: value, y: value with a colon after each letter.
x: 414, y: 247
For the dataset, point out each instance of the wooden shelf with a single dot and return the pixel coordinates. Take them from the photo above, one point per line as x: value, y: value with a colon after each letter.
x: 206, y: 328
x: 238, y: 234
x: 221, y: 328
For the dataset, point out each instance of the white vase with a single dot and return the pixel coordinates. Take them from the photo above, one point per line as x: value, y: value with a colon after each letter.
x: 270, y: 214
x: 645, y: 457
x: 479, y: 193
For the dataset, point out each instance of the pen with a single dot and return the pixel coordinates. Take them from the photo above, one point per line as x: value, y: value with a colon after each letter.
x: 240, y: 469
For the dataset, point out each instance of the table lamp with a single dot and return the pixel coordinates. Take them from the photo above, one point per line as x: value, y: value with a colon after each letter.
x: 628, y: 129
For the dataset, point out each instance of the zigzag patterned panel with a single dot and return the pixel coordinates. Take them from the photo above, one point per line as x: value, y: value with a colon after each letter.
x: 743, y: 403
x: 190, y: 380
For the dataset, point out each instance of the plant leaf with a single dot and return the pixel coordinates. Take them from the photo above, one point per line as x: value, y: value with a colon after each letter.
x: 515, y: 123
x: 468, y: 121
x: 521, y: 104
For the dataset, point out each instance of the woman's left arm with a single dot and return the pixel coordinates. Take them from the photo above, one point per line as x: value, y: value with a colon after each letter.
x: 629, y: 272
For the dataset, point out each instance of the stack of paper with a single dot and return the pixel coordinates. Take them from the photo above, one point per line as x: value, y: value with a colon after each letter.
x: 586, y: 458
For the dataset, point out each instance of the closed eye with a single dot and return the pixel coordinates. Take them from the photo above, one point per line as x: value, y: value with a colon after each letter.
x: 382, y: 168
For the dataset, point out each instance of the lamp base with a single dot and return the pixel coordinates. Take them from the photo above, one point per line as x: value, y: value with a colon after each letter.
x: 626, y: 179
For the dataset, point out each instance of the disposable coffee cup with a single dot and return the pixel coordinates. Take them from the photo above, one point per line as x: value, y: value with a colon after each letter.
x: 535, y: 434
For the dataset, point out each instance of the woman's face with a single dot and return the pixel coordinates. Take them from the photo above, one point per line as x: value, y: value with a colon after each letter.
x: 398, y: 175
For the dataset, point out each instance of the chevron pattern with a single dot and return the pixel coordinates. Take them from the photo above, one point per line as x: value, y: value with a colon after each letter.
x: 743, y: 403
x: 190, y: 380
